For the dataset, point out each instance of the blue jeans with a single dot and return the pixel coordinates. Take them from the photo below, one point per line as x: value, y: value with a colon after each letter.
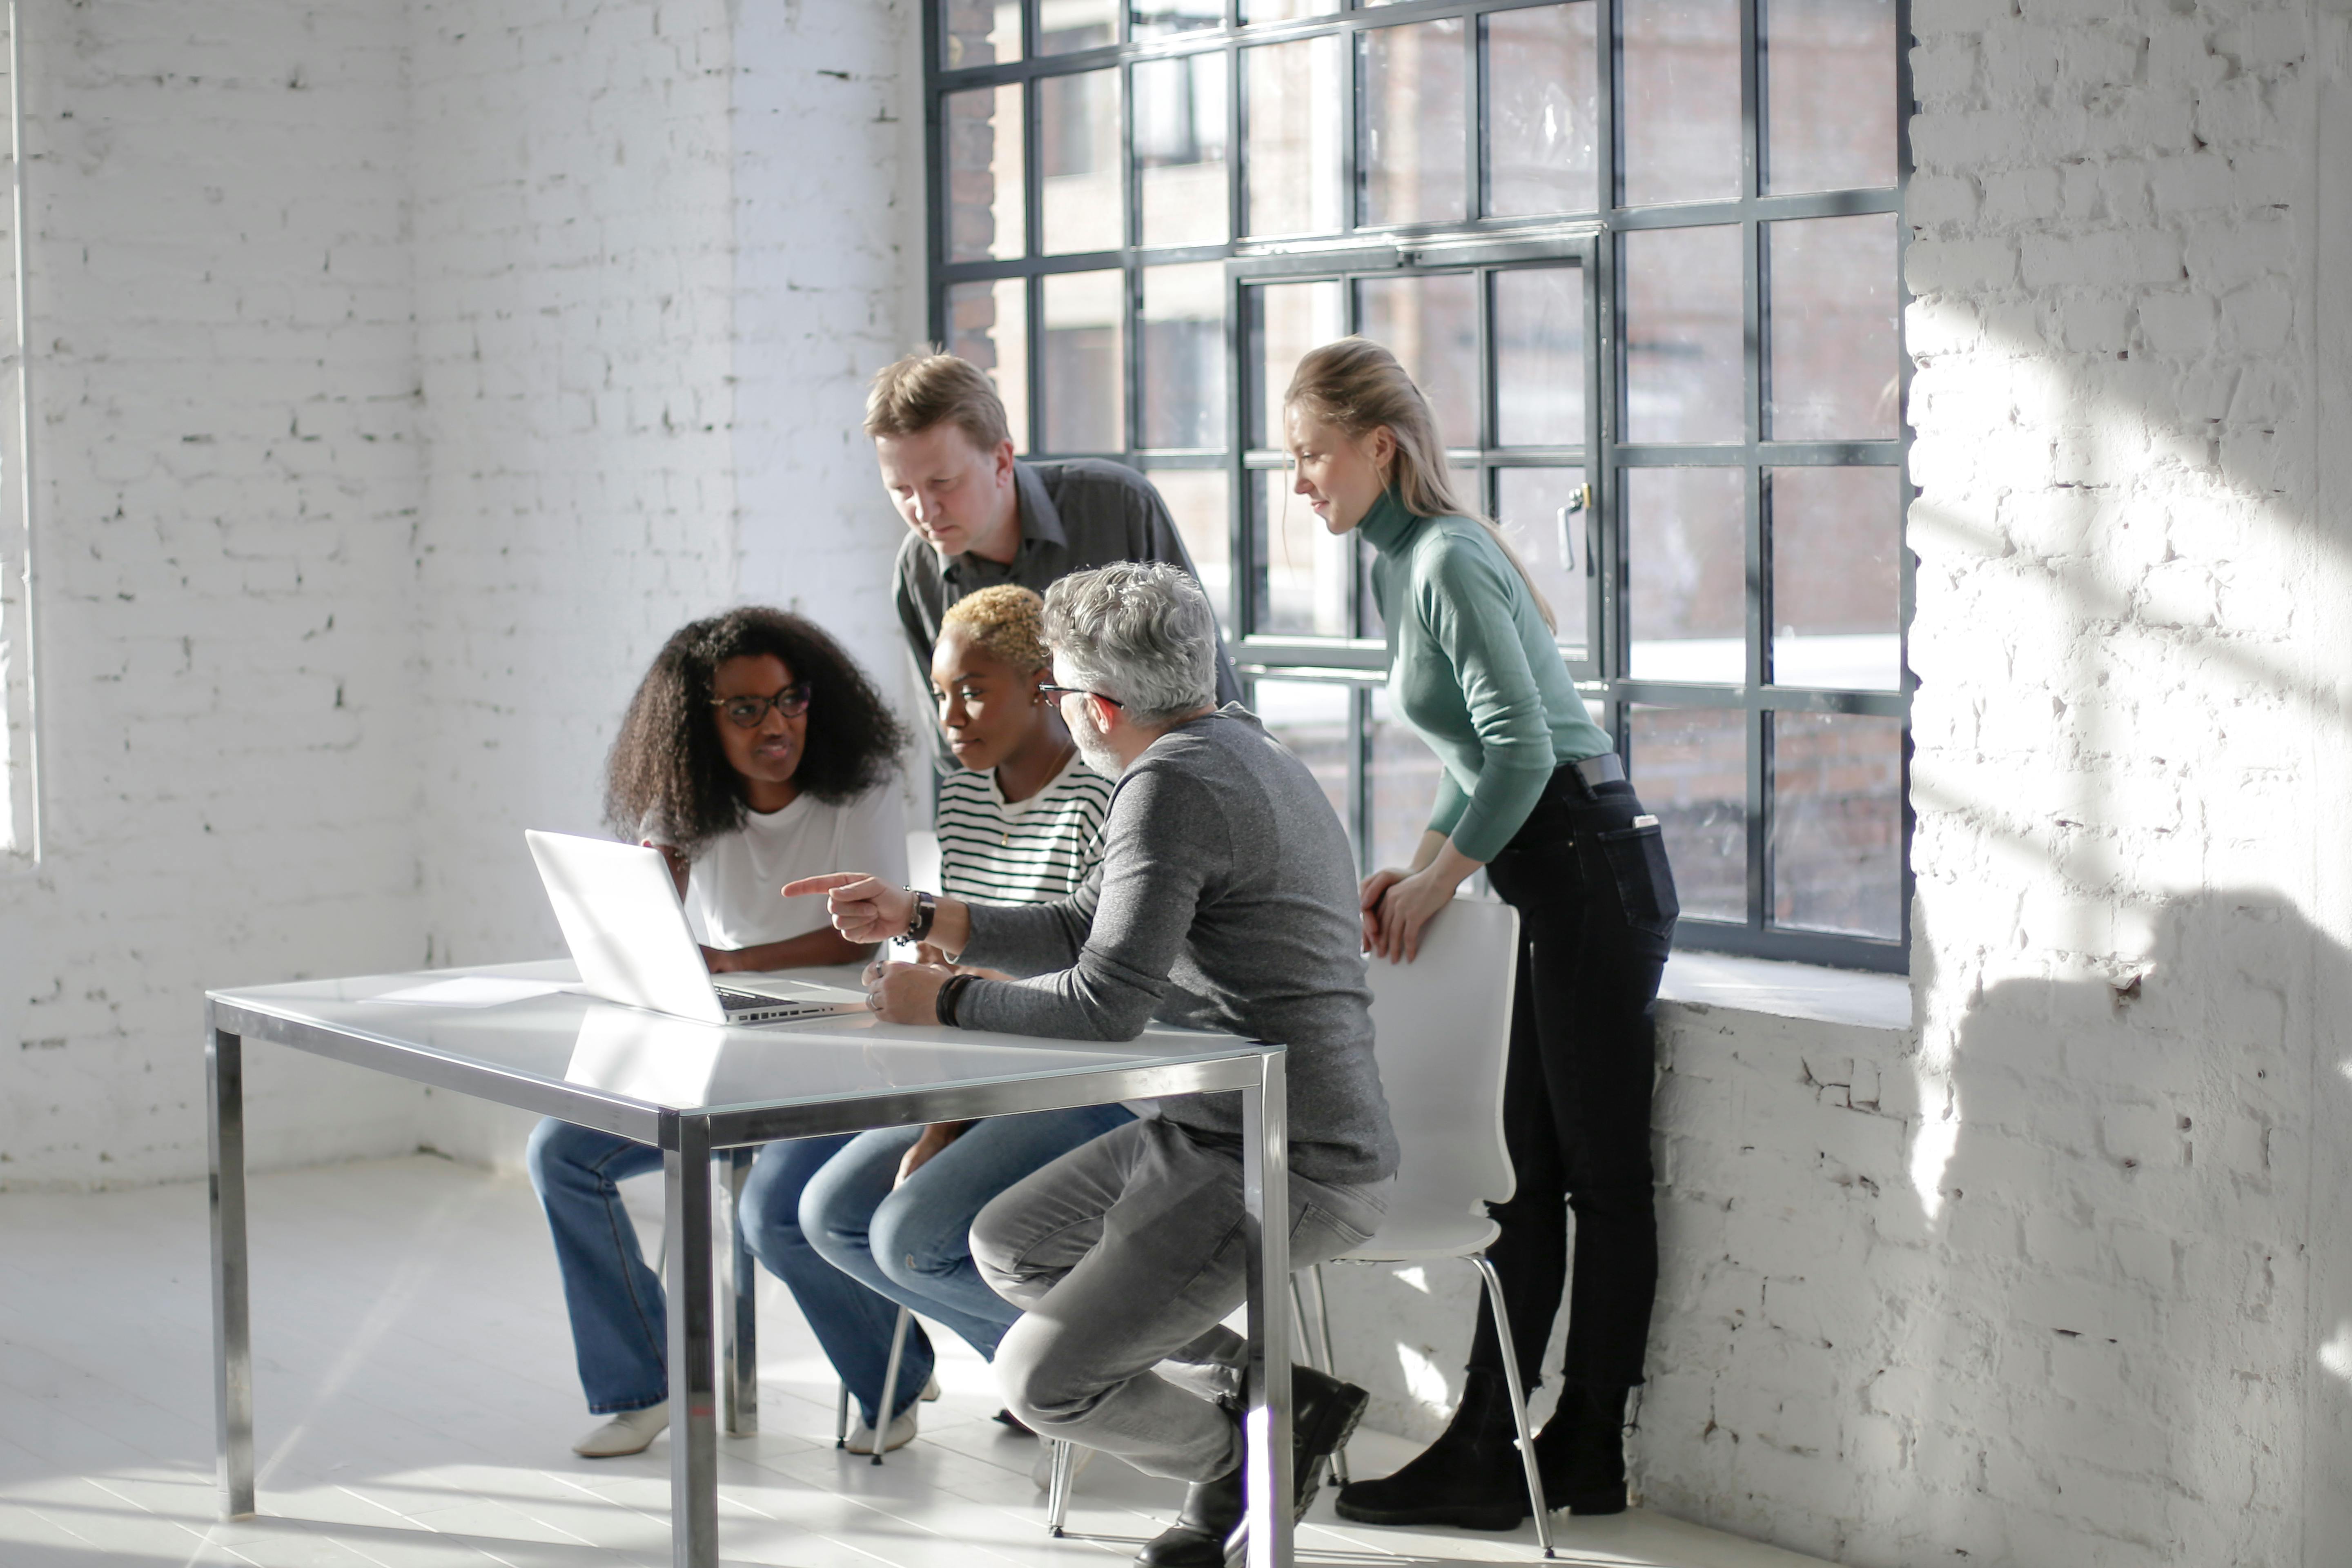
x: 619, y: 1332
x: 914, y: 1245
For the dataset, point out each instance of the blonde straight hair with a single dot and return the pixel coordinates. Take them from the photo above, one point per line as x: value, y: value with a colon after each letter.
x: 1357, y: 387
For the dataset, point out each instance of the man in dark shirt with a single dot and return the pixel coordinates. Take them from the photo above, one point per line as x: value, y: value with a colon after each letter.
x: 977, y: 515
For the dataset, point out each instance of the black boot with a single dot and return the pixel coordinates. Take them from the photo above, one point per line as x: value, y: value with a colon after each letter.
x: 1211, y: 1512
x: 1582, y: 1450
x: 1471, y: 1477
x: 1324, y: 1411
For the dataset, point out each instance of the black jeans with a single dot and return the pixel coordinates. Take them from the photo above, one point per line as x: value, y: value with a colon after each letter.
x: 1597, y: 907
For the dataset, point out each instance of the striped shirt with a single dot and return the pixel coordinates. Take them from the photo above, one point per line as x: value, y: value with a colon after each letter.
x: 995, y: 851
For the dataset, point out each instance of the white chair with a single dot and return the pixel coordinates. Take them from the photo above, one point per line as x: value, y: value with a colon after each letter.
x: 1442, y: 1029
x: 1442, y: 1024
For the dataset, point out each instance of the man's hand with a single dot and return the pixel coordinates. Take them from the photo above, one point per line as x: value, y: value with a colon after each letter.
x: 863, y: 908
x: 905, y: 993
x: 936, y: 1137
x: 721, y: 959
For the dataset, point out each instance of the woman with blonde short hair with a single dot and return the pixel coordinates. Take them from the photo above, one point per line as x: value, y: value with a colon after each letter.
x: 1019, y: 823
x: 1533, y: 792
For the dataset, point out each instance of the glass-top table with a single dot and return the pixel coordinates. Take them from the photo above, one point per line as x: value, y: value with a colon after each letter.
x: 707, y: 1095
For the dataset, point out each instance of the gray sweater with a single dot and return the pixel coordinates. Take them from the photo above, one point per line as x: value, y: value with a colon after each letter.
x: 1226, y: 900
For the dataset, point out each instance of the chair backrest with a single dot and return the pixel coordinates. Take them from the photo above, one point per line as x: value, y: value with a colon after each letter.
x: 1443, y: 1032
x: 923, y: 859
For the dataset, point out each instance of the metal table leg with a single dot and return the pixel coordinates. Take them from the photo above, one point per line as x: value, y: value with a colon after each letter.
x: 739, y: 1344
x: 232, y: 1320
x: 1265, y: 1429
x: 693, y: 1394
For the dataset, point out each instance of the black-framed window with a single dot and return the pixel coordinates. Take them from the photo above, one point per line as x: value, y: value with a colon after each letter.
x: 1644, y: 255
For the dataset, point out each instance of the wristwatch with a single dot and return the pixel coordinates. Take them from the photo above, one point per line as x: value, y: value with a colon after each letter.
x: 927, y: 910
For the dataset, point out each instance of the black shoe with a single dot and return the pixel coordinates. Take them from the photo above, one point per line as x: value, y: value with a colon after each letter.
x: 1582, y: 1450
x: 1012, y: 1422
x: 1323, y: 1412
x: 1211, y: 1512
x: 1471, y: 1477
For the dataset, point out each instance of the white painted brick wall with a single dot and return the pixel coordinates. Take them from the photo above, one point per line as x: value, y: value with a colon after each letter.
x: 389, y: 425
x: 2077, y: 1287
x: 228, y: 486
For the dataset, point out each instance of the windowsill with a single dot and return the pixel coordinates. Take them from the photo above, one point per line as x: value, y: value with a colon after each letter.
x: 1787, y: 990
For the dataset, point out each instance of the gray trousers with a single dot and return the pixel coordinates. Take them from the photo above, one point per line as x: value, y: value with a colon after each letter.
x: 1127, y: 1253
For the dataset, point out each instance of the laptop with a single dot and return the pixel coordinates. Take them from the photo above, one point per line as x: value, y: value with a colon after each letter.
x: 626, y: 930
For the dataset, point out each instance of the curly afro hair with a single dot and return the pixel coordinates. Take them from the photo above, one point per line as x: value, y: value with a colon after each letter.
x: 669, y: 776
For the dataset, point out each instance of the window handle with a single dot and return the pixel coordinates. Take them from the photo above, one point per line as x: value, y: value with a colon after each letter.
x: 1579, y: 501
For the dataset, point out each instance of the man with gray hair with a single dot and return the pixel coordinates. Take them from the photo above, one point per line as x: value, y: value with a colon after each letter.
x: 1226, y: 899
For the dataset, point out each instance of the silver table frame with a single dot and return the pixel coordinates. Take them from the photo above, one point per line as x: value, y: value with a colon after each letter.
x: 688, y: 1141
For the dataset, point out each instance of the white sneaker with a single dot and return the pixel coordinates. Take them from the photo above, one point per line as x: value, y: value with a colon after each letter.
x: 630, y: 1431
x: 1040, y: 1469
x: 902, y: 1432
x: 931, y: 1389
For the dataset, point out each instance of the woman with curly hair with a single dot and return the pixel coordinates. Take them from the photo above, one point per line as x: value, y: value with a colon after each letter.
x: 1020, y: 822
x: 755, y: 752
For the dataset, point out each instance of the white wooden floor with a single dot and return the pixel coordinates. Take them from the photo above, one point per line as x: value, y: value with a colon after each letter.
x: 416, y: 1404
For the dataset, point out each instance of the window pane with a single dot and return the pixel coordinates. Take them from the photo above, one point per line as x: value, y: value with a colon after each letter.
x: 1538, y: 508
x: 1431, y: 324
x: 1291, y: 152
x: 1282, y: 10
x: 1196, y: 498
x: 1684, y: 335
x: 1837, y: 823
x: 1316, y: 720
x: 1836, y: 360
x: 1302, y: 570
x: 1184, y: 355
x: 988, y: 323
x: 1179, y: 150
x: 1681, y: 106
x: 1829, y: 70
x: 985, y: 216
x: 1836, y: 588
x: 1064, y: 26
x: 980, y: 32
x: 1404, y: 779
x: 1086, y: 384
x: 1690, y: 765
x: 1159, y: 19
x: 1539, y: 357
x: 1543, y: 110
x: 1685, y: 544
x: 1078, y: 159
x: 1285, y: 320
x: 1410, y: 158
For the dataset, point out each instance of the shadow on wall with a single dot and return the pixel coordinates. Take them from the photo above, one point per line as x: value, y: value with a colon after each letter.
x: 2039, y: 1289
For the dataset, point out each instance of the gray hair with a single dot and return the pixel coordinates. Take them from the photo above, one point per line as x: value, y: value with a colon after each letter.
x: 1139, y: 632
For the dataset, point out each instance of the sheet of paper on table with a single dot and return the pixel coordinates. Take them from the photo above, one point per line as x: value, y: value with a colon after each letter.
x: 474, y: 991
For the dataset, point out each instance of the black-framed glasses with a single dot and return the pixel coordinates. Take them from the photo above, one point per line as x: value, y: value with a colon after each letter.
x: 1058, y: 693
x: 748, y: 712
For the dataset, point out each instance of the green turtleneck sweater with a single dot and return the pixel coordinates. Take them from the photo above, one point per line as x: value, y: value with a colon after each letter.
x: 1474, y: 668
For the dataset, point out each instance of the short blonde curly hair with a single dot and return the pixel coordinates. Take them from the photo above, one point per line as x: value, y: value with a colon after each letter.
x: 1007, y: 620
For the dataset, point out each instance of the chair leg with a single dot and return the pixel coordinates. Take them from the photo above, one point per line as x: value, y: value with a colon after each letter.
x: 890, y: 1383
x: 1325, y: 1349
x: 841, y: 1419
x: 1057, y: 1493
x: 1519, y: 1400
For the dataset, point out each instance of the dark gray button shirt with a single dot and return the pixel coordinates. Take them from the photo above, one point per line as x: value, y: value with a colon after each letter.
x: 1075, y: 516
x: 1226, y: 900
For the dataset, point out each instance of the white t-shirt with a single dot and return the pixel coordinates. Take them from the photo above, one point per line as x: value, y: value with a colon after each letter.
x: 731, y: 897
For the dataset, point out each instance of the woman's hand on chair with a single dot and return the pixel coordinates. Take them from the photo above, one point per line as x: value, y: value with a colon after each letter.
x: 1375, y: 888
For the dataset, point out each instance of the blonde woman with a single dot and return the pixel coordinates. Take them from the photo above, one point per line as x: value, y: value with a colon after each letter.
x: 1019, y: 823
x: 1533, y: 792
